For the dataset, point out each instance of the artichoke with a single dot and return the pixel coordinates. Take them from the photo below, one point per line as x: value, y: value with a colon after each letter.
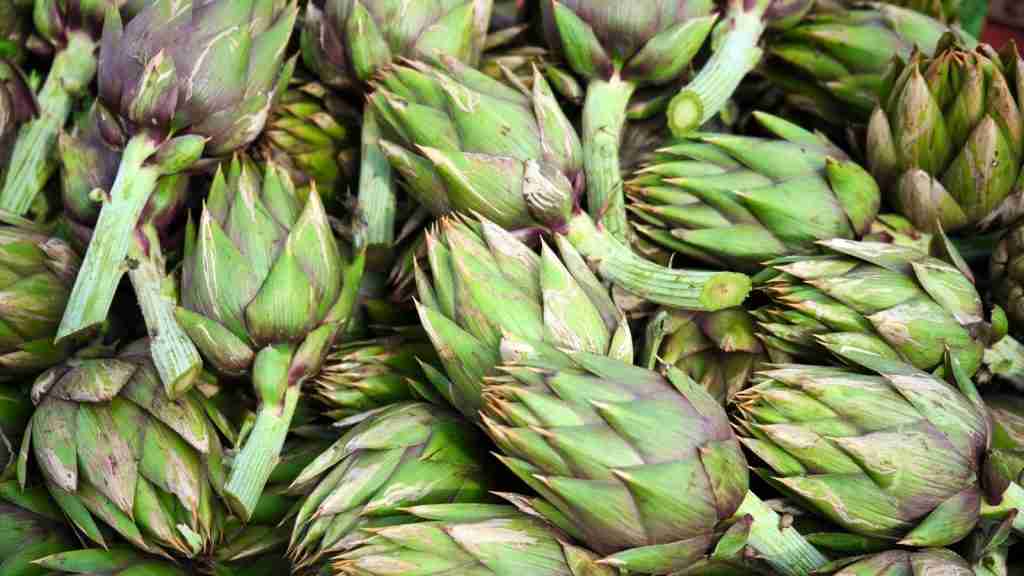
x: 468, y: 143
x: 832, y: 63
x: 1006, y: 458
x: 736, y: 202
x: 36, y: 273
x: 592, y: 436
x: 265, y: 289
x: 31, y: 527
x: 908, y: 562
x: 720, y: 350
x: 470, y: 539
x: 17, y: 106
x: 1006, y: 275
x: 895, y: 456
x: 487, y: 285
x: 112, y: 446
x: 891, y: 300
x: 403, y: 455
x: 179, y: 80
x: 347, y: 42
x: 947, y: 139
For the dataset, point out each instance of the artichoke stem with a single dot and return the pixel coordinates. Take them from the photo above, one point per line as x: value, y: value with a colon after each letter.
x: 376, y: 203
x: 33, y: 160
x: 103, y: 266
x: 260, y: 454
x: 604, y: 116
x: 738, y: 54
x: 176, y: 358
x: 785, y: 549
x: 677, y: 288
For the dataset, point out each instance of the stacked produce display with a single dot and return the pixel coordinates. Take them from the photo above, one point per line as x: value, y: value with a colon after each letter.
x: 510, y: 288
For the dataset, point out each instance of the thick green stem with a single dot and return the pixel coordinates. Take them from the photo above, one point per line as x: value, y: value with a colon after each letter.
x: 738, y: 54
x: 678, y: 288
x: 32, y: 160
x: 103, y: 266
x: 377, y: 203
x: 278, y: 399
x: 604, y: 116
x: 785, y: 549
x: 174, y: 355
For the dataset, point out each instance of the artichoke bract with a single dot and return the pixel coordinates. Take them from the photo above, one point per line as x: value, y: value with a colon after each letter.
x: 720, y: 350
x: 943, y: 10
x: 891, y: 300
x: 403, y: 455
x: 484, y: 286
x: 112, y: 562
x: 895, y: 455
x: 833, y: 63
x: 346, y: 42
x: 591, y: 437
x: 477, y: 539
x: 908, y: 562
x: 946, y: 141
x: 466, y: 142
x: 737, y: 202
x: 114, y: 448
x: 178, y: 81
x: 31, y: 527
x: 36, y: 274
x: 265, y: 289
x: 72, y: 28
x: 1005, y: 461
x: 1006, y: 275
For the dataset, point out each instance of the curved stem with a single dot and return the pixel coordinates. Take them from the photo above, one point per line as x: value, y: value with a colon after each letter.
x: 604, y: 116
x: 376, y: 204
x: 702, y: 99
x: 32, y: 160
x: 103, y: 266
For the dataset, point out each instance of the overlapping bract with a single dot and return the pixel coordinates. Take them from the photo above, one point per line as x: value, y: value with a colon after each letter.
x: 36, y: 274
x: 897, y: 455
x: 738, y: 201
x: 908, y: 562
x: 947, y: 139
x: 403, y: 455
x: 114, y: 448
x: 944, y: 10
x: 891, y: 300
x: 640, y: 467
x: 31, y: 527
x: 470, y: 540
x: 485, y: 285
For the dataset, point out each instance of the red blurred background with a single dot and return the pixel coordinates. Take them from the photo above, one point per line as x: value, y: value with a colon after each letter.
x: 998, y: 34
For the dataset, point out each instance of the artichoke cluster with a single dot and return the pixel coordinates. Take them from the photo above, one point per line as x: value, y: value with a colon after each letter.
x: 510, y: 288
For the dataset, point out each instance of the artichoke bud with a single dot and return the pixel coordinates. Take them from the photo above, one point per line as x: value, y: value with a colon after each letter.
x: 548, y: 194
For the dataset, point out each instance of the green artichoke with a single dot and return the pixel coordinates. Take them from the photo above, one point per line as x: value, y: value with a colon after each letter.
x: 180, y: 80
x: 466, y: 142
x: 891, y: 300
x: 36, y: 274
x: 403, y: 455
x: 908, y: 562
x: 113, y: 447
x: 895, y: 456
x: 470, y: 540
x: 832, y: 63
x: 947, y: 139
x: 720, y: 350
x: 31, y: 527
x: 736, y: 202
x: 486, y: 285
x: 1006, y: 276
x: 363, y: 375
x: 593, y: 436
x: 15, y: 412
x: 265, y: 289
x: 312, y: 133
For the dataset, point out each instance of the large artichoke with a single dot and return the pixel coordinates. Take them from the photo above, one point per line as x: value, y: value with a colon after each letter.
x: 469, y: 539
x: 892, y: 300
x: 179, y: 80
x: 403, y: 455
x: 594, y: 436
x: 895, y: 456
x: 113, y: 447
x: 466, y: 142
x: 947, y: 139
x: 736, y: 202
x: 265, y: 289
x: 36, y: 274
x: 906, y: 562
x: 832, y: 63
